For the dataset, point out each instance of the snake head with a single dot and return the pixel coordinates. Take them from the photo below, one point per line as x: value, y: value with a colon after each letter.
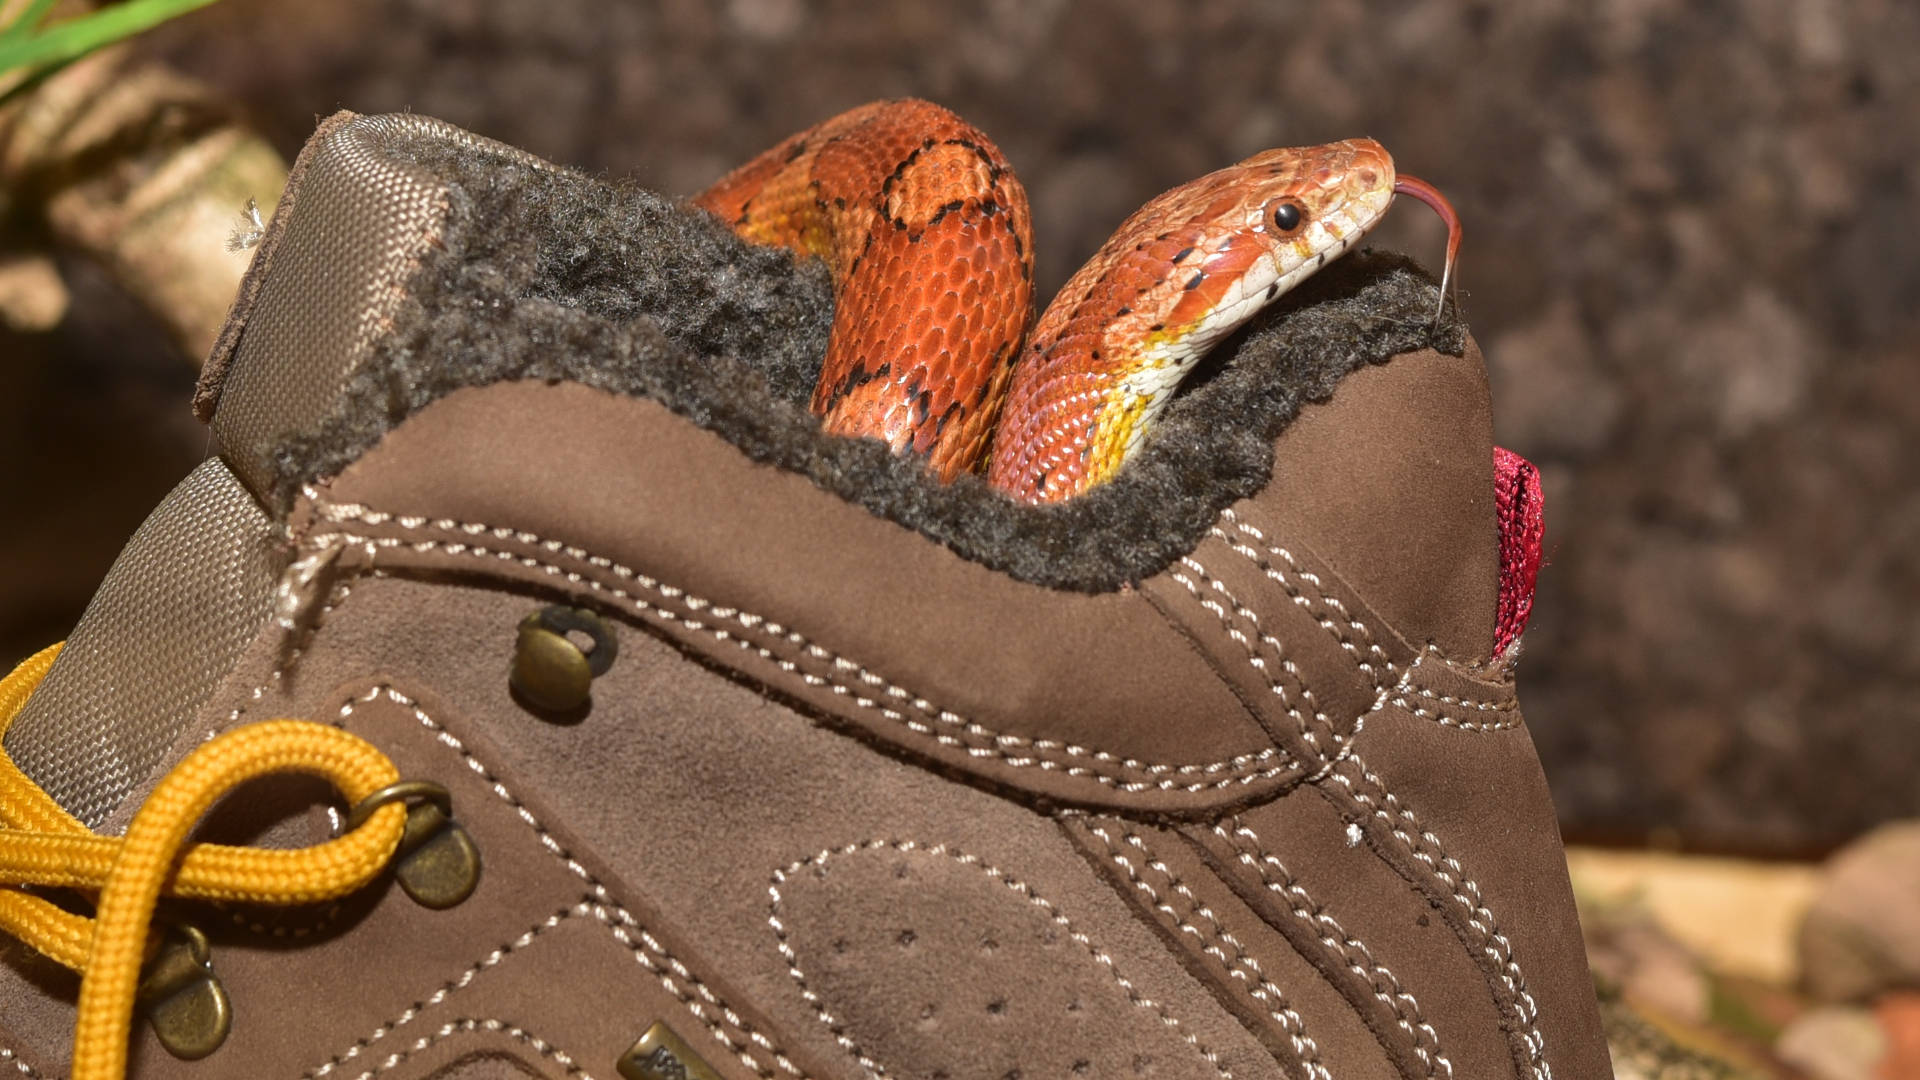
x: 1220, y: 248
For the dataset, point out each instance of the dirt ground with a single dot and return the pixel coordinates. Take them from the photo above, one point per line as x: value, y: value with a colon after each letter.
x: 1690, y: 257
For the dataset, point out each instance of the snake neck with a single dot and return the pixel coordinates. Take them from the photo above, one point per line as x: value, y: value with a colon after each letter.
x: 1081, y: 402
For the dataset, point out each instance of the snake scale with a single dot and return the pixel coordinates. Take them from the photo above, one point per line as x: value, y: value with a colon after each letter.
x: 927, y: 235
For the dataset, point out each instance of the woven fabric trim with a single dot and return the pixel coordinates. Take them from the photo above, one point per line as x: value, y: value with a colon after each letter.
x: 186, y: 595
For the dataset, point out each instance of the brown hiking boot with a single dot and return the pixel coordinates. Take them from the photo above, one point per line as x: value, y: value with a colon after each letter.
x: 746, y: 752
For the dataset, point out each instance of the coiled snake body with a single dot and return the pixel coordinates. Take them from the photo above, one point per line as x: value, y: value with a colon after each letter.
x: 927, y: 234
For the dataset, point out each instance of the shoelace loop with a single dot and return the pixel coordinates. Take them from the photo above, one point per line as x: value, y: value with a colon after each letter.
x: 43, y: 845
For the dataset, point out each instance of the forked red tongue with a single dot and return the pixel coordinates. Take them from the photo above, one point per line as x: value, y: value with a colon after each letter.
x: 1427, y: 193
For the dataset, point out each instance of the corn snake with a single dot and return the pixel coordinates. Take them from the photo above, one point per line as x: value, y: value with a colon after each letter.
x: 927, y: 235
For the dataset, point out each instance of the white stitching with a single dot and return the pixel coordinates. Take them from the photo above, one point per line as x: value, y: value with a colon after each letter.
x: 1020, y: 888
x: 241, y: 921
x: 1241, y: 966
x: 1364, y: 658
x: 1254, y: 658
x: 1466, y: 891
x: 1343, y: 742
x: 336, y: 596
x: 1241, y: 769
x: 446, y: 990
x: 625, y: 929
x: 1385, y: 986
x: 1442, y: 715
x: 469, y: 1025
x: 7, y: 1054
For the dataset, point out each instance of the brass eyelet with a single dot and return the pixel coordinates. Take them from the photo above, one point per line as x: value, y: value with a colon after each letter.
x: 183, y: 998
x: 552, y: 673
x: 437, y: 862
x: 660, y: 1054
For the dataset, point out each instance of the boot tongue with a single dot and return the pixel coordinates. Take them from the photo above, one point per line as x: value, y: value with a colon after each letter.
x: 194, y: 586
x: 183, y: 599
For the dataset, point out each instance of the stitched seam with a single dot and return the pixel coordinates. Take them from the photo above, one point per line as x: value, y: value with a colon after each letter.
x: 1241, y: 769
x: 1017, y: 886
x: 1240, y: 966
x: 7, y: 1055
x: 1451, y: 711
x: 470, y: 1025
x: 447, y: 989
x: 1254, y: 656
x: 240, y: 921
x: 1424, y: 846
x: 647, y: 950
x: 1343, y: 742
x: 1351, y: 951
x: 1360, y: 644
x: 336, y: 596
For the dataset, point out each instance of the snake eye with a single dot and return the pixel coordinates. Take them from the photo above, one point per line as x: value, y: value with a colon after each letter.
x: 1286, y: 217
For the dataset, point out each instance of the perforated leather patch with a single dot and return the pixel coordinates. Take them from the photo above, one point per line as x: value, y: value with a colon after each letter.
x: 925, y: 961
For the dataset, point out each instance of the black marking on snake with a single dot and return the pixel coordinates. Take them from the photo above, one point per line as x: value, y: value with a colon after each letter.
x: 798, y: 149
x: 922, y: 406
x: 1157, y: 327
x: 944, y: 210
x: 988, y: 207
x: 839, y: 202
x: 1123, y: 311
x: 1320, y: 259
x: 940, y: 426
x: 1194, y: 282
x: 886, y: 186
x: 856, y: 378
x: 1181, y: 254
x: 994, y: 169
x: 1273, y: 290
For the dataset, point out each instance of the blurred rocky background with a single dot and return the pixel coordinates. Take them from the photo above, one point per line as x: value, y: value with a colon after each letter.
x: 1690, y: 257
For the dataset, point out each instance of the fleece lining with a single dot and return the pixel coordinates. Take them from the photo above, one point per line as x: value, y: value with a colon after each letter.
x: 554, y: 275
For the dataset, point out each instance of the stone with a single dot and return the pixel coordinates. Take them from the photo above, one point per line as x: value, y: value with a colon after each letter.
x: 1834, y: 1043
x: 1862, y: 934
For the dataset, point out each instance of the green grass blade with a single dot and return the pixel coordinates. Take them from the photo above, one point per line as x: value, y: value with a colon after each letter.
x: 30, y: 18
x: 77, y: 37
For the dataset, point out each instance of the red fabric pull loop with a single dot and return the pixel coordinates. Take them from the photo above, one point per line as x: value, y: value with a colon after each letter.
x: 1517, y: 507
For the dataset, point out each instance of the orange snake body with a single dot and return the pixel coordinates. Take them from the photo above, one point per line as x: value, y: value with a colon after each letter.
x: 927, y: 235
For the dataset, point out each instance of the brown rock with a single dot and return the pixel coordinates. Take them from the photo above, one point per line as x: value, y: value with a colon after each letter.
x: 1835, y: 1043
x: 1862, y: 934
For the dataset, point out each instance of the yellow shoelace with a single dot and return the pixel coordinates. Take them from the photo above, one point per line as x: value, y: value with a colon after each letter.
x: 43, y: 845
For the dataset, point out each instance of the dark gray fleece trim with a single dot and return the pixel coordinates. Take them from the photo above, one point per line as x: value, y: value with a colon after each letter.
x: 560, y: 276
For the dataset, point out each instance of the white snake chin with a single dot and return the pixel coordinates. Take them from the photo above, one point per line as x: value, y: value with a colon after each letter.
x: 1159, y: 368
